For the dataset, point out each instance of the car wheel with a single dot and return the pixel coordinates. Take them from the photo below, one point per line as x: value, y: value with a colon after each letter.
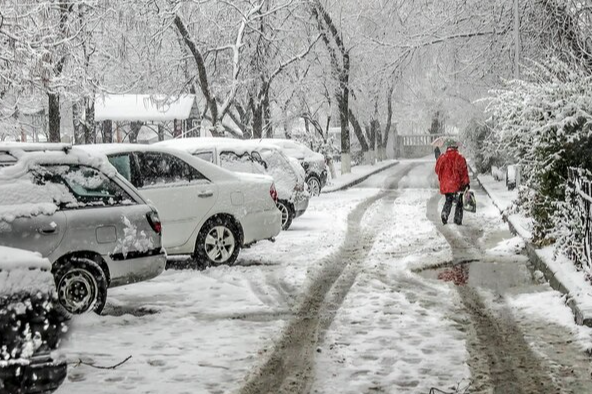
x: 81, y: 286
x: 287, y: 214
x: 218, y: 243
x: 314, y: 186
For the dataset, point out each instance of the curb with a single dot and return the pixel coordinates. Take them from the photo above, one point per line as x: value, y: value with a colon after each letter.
x: 361, y: 179
x: 542, y: 266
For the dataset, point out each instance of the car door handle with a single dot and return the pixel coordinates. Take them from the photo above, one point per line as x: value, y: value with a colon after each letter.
x: 47, y: 230
x: 206, y: 194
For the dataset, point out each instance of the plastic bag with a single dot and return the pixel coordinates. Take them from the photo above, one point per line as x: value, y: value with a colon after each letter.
x: 469, y: 201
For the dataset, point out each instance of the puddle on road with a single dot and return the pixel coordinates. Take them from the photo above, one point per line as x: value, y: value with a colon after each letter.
x: 497, y: 276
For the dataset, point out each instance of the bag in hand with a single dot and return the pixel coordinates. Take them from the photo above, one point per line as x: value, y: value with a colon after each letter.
x: 469, y: 201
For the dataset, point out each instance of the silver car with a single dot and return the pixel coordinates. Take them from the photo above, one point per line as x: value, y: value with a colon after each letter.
x: 78, y: 212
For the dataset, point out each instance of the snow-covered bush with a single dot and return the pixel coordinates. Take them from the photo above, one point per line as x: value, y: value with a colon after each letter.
x: 476, y: 139
x: 544, y: 123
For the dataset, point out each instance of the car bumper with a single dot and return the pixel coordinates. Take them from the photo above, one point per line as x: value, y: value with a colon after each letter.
x: 300, y: 205
x: 35, y: 378
x: 261, y: 225
x: 135, y: 269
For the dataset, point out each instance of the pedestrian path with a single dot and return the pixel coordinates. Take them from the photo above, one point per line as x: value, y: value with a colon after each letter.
x: 559, y: 271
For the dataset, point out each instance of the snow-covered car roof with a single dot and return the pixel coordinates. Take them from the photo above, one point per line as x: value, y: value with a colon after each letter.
x: 28, y: 155
x: 232, y: 144
x: 209, y: 170
x: 294, y: 149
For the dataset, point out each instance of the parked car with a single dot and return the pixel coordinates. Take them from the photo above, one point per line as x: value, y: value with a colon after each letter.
x: 78, y: 212
x: 30, y: 326
x: 252, y: 157
x: 206, y: 211
x: 312, y: 162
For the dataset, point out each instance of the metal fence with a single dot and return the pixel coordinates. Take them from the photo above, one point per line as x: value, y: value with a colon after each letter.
x: 581, y: 184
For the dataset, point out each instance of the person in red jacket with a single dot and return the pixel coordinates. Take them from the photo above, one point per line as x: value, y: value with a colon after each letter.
x: 453, y: 175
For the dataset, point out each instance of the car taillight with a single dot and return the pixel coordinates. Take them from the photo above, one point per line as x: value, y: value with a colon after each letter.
x: 273, y: 193
x: 154, y: 222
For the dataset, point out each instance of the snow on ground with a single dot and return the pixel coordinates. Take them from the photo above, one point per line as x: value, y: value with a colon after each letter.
x: 356, y: 173
x: 395, y: 332
x: 503, y: 197
x: 202, y: 331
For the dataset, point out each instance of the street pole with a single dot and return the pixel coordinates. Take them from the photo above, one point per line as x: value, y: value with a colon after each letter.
x: 516, y: 40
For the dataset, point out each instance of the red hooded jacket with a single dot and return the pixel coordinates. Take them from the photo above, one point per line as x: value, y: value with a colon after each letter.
x: 452, y: 171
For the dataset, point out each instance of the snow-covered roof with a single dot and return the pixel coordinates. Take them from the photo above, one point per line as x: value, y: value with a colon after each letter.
x: 142, y: 107
x: 294, y: 149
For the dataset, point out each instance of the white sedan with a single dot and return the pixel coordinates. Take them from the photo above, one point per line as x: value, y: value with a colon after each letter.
x: 206, y: 211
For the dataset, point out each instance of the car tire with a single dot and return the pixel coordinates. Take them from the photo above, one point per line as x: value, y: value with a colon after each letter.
x: 314, y: 185
x: 287, y: 214
x: 81, y: 286
x: 217, y: 243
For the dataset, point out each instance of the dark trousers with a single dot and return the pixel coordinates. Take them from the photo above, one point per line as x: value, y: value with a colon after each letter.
x: 458, y: 212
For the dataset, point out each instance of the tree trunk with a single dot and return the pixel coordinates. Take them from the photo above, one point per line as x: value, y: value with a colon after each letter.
x: 343, y: 104
x: 77, y: 124
x: 107, y: 131
x: 257, y: 121
x: 135, y: 130
x: 267, y: 117
x: 54, y: 117
x: 89, y: 125
x: 160, y: 132
x: 389, y: 119
x: 358, y: 131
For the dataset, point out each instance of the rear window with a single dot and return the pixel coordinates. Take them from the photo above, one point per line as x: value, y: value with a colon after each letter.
x: 89, y: 186
x: 242, y: 163
x: 205, y: 155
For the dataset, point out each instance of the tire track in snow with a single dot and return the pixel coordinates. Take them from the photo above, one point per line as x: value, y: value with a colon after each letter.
x: 288, y: 370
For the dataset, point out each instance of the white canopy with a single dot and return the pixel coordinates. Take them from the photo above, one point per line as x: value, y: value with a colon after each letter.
x: 142, y: 107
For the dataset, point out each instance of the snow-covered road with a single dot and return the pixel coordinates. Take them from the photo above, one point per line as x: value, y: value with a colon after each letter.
x: 346, y: 301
